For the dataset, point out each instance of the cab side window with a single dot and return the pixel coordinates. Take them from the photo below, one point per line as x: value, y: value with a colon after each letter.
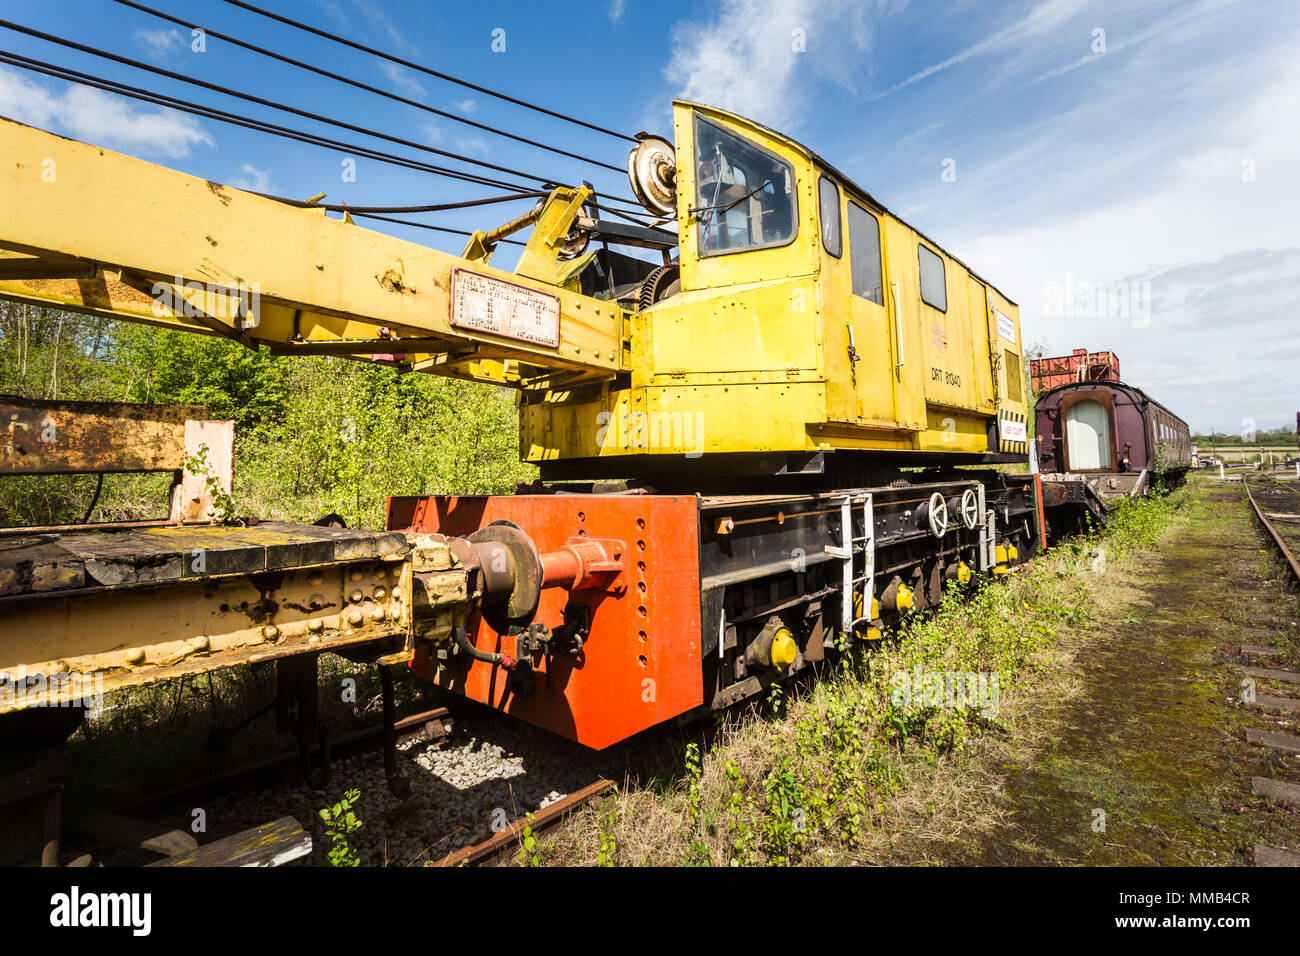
x: 828, y: 201
x: 934, y: 288
x: 864, y: 254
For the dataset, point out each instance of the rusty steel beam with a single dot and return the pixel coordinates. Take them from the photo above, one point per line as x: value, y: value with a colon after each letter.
x: 55, y: 438
x: 124, y: 609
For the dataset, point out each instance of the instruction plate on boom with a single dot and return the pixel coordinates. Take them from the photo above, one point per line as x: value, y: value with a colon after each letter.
x: 491, y: 305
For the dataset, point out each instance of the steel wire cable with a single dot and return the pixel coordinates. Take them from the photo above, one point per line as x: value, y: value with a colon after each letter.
x: 440, y: 207
x: 431, y: 226
x: 364, y: 86
x: 306, y: 114
x: 209, y: 112
x: 160, y: 99
x: 325, y: 34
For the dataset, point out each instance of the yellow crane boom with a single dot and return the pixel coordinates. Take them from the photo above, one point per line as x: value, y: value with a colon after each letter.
x: 90, y: 230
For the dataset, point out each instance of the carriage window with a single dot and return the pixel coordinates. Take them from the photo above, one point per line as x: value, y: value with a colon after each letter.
x: 828, y: 195
x: 744, y: 195
x: 864, y: 254
x: 934, y: 291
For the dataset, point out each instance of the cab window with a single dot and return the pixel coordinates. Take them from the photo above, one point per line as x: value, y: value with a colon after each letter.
x: 744, y: 195
x: 864, y: 254
x: 828, y: 197
x: 934, y: 290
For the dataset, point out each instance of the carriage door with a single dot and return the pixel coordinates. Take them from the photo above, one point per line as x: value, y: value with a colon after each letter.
x: 1087, y: 436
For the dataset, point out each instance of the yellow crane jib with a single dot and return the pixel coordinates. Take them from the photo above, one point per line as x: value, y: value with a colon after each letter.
x: 93, y: 231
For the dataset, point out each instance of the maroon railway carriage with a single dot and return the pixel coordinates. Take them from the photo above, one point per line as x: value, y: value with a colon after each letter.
x: 1113, y: 435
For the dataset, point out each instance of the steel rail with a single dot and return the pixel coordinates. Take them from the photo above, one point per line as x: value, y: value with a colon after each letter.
x: 546, y: 817
x: 1272, y: 532
x: 237, y: 776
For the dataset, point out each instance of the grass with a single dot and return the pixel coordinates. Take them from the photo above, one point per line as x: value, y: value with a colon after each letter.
x: 892, y: 753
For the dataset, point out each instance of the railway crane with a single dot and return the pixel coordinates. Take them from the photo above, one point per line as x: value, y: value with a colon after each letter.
x: 768, y: 440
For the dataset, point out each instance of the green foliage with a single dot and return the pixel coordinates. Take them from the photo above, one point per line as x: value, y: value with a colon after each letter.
x: 166, y: 367
x: 340, y: 821
x: 607, y: 851
x: 528, y: 848
x: 698, y: 852
x: 740, y: 810
x: 1135, y: 523
x: 350, y: 434
x: 312, y: 435
x: 1284, y: 435
x: 198, y: 464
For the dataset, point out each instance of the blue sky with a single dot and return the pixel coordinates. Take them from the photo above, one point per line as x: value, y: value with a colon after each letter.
x: 1149, y: 147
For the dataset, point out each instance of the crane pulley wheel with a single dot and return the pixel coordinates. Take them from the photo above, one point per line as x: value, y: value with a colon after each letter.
x: 652, y: 171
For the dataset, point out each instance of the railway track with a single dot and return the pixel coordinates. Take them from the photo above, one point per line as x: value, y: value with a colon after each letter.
x: 498, y: 847
x: 133, y: 827
x: 1277, y: 506
x: 435, y: 723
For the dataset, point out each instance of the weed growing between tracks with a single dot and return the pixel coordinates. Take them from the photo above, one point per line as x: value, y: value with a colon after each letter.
x: 341, y: 820
x: 876, y: 756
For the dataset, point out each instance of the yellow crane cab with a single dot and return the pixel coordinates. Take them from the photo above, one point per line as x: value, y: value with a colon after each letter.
x: 805, y: 313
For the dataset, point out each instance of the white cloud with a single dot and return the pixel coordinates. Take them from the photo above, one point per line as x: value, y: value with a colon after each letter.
x: 1164, y: 172
x: 754, y: 56
x: 467, y: 106
x: 161, y: 42
x: 1044, y: 17
x: 254, y: 179
x: 924, y: 130
x: 402, y: 79
x: 472, y: 146
x: 345, y: 14
x: 1125, y: 40
x: 615, y: 10
x: 100, y: 118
